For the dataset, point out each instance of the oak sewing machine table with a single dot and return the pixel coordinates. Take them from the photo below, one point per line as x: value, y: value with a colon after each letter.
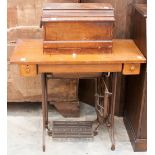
x: 125, y: 58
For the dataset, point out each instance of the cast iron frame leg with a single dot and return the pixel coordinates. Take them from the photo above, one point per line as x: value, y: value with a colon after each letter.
x: 46, y: 102
x: 114, y: 87
x: 96, y: 96
x: 96, y: 122
x: 43, y: 83
x: 49, y: 131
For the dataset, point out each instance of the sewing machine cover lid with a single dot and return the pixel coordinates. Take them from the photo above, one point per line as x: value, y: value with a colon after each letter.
x: 55, y: 12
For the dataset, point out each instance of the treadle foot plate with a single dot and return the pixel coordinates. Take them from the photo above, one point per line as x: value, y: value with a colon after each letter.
x: 72, y: 129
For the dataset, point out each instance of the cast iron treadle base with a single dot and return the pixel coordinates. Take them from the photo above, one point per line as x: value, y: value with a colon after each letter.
x: 72, y: 129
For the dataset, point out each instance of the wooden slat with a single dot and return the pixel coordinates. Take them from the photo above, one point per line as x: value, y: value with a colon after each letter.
x: 81, y: 6
x: 82, y: 19
x: 77, y: 44
x: 71, y: 51
x: 79, y: 13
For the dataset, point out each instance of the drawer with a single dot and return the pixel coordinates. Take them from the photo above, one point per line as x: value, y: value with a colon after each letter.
x: 79, y: 68
x: 131, y: 69
x: 28, y: 70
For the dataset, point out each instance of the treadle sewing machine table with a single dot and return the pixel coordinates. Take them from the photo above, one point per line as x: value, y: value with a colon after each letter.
x: 125, y: 58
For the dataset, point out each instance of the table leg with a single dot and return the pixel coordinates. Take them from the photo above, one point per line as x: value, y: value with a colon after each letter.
x: 43, y: 83
x: 114, y: 85
x: 96, y: 93
x: 46, y: 102
x: 96, y: 122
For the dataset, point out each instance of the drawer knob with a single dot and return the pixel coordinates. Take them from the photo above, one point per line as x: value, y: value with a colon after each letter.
x: 27, y: 69
x: 132, y: 68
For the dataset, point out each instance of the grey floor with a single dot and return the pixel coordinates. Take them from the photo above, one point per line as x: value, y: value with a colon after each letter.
x: 25, y: 134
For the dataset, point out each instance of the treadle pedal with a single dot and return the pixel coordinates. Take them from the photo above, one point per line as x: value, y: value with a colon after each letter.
x: 72, y: 129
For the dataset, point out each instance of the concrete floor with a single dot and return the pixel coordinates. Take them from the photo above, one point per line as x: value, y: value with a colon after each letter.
x: 25, y: 134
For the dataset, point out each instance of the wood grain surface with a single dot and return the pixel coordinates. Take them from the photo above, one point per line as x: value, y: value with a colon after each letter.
x: 31, y: 52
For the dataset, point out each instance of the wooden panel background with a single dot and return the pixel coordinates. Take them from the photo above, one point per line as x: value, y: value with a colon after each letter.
x: 23, y: 22
x: 123, y: 12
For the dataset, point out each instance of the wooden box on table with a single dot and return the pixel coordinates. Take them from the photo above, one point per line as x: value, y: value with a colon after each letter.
x: 77, y: 27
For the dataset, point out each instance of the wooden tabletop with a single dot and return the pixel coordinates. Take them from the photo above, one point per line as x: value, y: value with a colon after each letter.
x: 31, y: 52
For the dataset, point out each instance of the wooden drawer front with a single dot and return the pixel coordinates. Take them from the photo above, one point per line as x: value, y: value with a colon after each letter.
x: 76, y: 75
x: 79, y: 68
x: 28, y: 70
x: 131, y: 69
x: 74, y: 31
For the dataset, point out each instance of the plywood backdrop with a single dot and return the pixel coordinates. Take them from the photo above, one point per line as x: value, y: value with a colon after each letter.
x: 23, y: 22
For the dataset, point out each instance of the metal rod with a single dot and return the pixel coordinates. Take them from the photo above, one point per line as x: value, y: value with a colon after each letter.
x: 106, y: 96
x: 43, y: 109
x: 96, y: 98
x: 46, y: 101
x: 77, y: 90
x: 114, y: 87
